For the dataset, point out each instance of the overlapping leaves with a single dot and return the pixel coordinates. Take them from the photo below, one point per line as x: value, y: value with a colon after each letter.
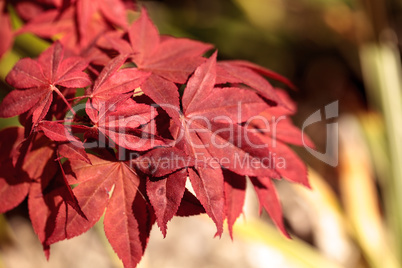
x: 131, y: 142
x: 36, y: 81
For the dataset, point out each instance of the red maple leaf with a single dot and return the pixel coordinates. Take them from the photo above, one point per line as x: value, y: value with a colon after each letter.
x: 31, y: 177
x: 170, y: 60
x: 13, y: 188
x: 68, y: 145
x: 79, y: 23
x: 165, y: 194
x: 44, y: 202
x: 210, y: 131
x: 120, y: 121
x: 235, y: 193
x: 167, y: 170
x: 114, y: 186
x: 43, y: 209
x: 214, y: 122
x: 114, y: 82
x: 275, y: 127
x: 240, y: 69
x: 36, y: 81
x: 16, y: 179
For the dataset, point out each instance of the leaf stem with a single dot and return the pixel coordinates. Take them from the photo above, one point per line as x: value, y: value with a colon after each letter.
x: 64, y: 99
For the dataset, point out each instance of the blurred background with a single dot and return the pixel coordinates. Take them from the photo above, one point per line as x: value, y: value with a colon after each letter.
x: 332, y: 50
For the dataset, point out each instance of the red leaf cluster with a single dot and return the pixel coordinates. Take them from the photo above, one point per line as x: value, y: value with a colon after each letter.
x: 155, y: 114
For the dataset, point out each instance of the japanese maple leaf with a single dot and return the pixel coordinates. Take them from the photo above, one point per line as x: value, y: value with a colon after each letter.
x: 78, y: 23
x: 43, y: 209
x: 167, y: 170
x: 36, y: 81
x: 30, y: 179
x: 120, y: 121
x: 212, y: 117
x: 240, y: 64
x: 189, y: 205
x: 113, y: 11
x: 68, y: 145
x: 229, y: 73
x: 274, y: 127
x: 13, y: 188
x: 27, y: 10
x: 210, y: 132
x: 165, y: 194
x: 163, y: 161
x: 61, y: 24
x: 239, y: 71
x: 114, y: 186
x: 235, y: 192
x: 15, y: 181
x: 44, y: 202
x: 48, y: 23
x: 114, y: 82
x: 170, y: 60
x: 268, y: 199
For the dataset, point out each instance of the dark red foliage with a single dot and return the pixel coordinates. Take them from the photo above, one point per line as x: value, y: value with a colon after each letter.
x: 35, y: 81
x: 156, y: 115
x: 79, y: 22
